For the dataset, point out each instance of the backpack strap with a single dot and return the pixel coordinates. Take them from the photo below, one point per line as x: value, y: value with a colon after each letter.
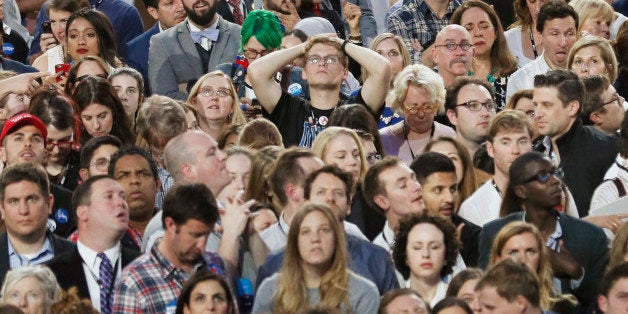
x: 621, y: 190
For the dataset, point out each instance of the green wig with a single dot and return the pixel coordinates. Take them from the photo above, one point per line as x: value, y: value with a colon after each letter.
x: 266, y: 28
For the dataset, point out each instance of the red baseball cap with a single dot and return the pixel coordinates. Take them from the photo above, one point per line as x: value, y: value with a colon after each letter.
x: 20, y: 120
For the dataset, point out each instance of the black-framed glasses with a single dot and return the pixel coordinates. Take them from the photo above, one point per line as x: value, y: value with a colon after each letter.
x: 252, y: 53
x: 426, y: 108
x: 465, y: 46
x: 544, y: 176
x: 82, y: 77
x: 477, y: 106
x: 327, y: 60
x: 616, y: 98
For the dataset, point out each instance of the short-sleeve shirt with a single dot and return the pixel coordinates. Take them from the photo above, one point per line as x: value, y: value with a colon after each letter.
x: 298, y: 121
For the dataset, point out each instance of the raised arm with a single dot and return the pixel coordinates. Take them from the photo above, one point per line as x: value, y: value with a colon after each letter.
x: 262, y: 74
x: 375, y: 88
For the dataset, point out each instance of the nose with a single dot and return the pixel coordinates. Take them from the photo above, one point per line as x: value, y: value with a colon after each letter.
x: 200, y: 243
x: 448, y: 196
x: 96, y: 125
x: 425, y: 252
x: 210, y: 305
x: 221, y: 155
x: 475, y: 305
x: 122, y: 95
x: 476, y: 32
x: 329, y: 197
x: 515, y: 149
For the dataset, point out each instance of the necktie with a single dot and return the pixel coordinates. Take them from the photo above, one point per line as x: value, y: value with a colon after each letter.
x: 106, y: 284
x: 211, y: 34
x: 238, y: 18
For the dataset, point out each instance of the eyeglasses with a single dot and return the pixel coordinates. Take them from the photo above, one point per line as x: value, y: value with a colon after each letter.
x: 331, y: 59
x: 252, y: 53
x: 221, y: 92
x: 101, y: 163
x: 616, y: 98
x: 477, y: 106
x: 465, y: 46
x: 62, y: 144
x: 426, y: 108
x: 544, y: 176
x: 373, y: 158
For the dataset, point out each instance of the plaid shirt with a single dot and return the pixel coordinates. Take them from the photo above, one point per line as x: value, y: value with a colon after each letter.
x: 167, y: 182
x: 151, y: 283
x: 415, y: 20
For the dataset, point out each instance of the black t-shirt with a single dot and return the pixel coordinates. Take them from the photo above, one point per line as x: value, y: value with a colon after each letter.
x: 299, y: 122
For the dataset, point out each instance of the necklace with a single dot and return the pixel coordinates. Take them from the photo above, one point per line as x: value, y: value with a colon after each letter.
x: 405, y: 134
x: 536, y: 54
x: 490, y: 77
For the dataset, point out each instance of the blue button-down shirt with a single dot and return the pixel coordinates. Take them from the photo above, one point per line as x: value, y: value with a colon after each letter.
x: 45, y: 254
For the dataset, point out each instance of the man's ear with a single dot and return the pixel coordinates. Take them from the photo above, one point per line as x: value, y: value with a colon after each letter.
x: 490, y: 150
x: 83, y: 173
x: 595, y: 117
x: 574, y: 106
x: 522, y: 303
x: 188, y: 172
x: 521, y: 192
x: 602, y: 302
x: 153, y: 12
x: 169, y: 225
x: 3, y: 155
x: 81, y: 212
x: 51, y: 202
x: 451, y: 114
x: 382, y: 202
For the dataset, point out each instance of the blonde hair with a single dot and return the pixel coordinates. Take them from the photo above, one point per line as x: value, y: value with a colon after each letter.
x: 291, y: 293
x: 544, y: 273
x: 236, y: 116
x: 319, y: 147
x: 422, y: 76
x: 590, y: 9
x: 403, y: 50
x: 606, y: 52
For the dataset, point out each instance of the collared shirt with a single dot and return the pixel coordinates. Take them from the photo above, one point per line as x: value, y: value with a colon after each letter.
x: 524, y: 77
x: 91, y: 267
x: 206, y: 43
x: 386, y: 238
x: 415, y: 20
x: 152, y: 283
x: 276, y: 236
x: 16, y: 260
x: 167, y: 182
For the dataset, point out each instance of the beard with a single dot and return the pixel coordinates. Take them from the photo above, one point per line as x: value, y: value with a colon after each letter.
x: 203, y: 20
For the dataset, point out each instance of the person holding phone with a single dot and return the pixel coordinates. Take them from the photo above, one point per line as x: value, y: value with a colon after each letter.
x: 53, y: 40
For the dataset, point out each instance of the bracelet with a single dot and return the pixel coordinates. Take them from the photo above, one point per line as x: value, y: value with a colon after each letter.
x: 358, y: 36
x: 344, y: 45
x: 356, y: 42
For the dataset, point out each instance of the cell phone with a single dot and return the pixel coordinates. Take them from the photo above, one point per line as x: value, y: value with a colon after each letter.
x: 62, y: 67
x: 47, y: 28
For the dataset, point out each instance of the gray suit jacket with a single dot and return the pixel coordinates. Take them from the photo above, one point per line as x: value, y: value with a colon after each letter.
x: 174, y: 64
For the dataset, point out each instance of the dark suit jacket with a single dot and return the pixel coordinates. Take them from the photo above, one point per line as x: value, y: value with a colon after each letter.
x: 59, y: 246
x: 222, y: 8
x: 470, y: 238
x: 586, y: 243
x: 175, y: 64
x: 68, y: 268
x: 137, y: 54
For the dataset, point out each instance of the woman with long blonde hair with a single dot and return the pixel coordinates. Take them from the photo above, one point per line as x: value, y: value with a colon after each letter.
x: 523, y: 241
x: 314, y: 270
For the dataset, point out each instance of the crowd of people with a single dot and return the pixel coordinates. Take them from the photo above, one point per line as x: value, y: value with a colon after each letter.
x: 314, y: 156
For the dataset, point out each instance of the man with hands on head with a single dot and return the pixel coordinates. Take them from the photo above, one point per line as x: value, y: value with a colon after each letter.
x: 325, y: 69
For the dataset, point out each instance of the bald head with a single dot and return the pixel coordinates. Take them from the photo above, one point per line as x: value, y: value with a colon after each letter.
x: 449, y: 52
x: 194, y: 157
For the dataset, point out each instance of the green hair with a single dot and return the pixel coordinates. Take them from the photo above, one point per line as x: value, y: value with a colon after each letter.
x: 266, y: 28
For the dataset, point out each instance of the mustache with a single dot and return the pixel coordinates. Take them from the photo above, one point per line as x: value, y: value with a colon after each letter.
x: 459, y: 60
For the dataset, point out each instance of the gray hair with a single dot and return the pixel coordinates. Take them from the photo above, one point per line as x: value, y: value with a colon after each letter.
x: 43, y: 274
x: 160, y: 118
x: 422, y: 76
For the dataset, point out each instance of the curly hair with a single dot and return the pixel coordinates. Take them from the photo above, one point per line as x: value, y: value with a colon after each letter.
x: 452, y: 245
